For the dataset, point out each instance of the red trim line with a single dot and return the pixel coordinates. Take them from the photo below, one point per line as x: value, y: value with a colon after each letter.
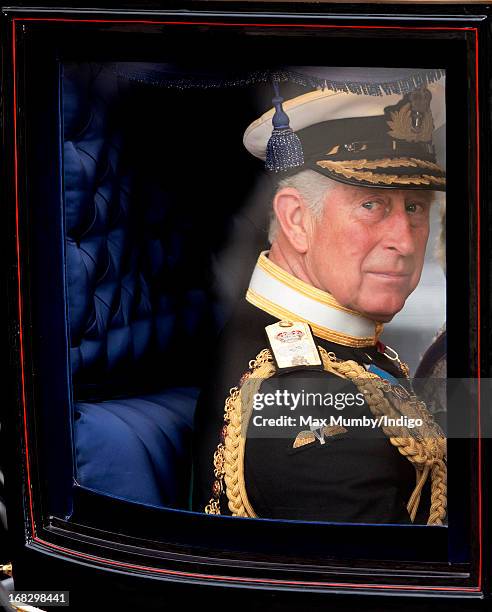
x: 479, y: 433
x: 21, y: 337
x: 240, y: 24
x: 253, y: 580
x: 19, y: 280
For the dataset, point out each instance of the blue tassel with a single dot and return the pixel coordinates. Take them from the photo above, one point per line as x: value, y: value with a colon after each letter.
x: 284, y: 149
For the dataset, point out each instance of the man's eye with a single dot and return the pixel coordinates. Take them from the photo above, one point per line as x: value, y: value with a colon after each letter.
x: 414, y: 207
x: 370, y: 205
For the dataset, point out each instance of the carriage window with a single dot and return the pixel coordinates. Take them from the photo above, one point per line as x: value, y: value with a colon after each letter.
x: 256, y: 289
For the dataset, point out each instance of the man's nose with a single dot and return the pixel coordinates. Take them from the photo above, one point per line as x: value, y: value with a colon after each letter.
x: 399, y: 235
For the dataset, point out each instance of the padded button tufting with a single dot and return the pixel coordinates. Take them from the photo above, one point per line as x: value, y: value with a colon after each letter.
x: 136, y: 301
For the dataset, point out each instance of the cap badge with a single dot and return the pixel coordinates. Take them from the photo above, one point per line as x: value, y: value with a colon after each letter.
x: 411, y: 119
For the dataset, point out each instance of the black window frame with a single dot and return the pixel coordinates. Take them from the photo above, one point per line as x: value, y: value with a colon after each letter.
x: 233, y: 550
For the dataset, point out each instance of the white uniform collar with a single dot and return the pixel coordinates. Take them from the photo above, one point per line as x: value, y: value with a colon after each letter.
x: 284, y: 296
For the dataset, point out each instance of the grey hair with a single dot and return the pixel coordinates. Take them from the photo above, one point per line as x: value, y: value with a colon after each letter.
x: 313, y: 188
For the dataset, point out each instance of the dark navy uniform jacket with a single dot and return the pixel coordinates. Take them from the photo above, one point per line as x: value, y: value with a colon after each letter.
x: 356, y: 476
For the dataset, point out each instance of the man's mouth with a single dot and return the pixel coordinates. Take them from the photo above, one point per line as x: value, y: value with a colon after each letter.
x: 393, y: 276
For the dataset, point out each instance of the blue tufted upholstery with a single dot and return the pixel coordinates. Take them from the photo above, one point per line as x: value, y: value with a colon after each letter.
x: 102, y: 284
x: 137, y: 448
x: 135, y: 303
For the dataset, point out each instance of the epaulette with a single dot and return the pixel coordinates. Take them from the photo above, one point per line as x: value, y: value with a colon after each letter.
x: 293, y: 348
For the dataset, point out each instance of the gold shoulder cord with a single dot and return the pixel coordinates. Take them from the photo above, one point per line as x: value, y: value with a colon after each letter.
x: 427, y: 454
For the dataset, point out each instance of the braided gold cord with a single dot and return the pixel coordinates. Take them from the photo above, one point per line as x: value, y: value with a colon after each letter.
x: 230, y: 455
x: 261, y: 369
x: 438, y: 493
x: 426, y: 455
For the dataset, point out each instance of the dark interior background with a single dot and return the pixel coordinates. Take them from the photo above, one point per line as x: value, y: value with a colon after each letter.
x: 174, y: 191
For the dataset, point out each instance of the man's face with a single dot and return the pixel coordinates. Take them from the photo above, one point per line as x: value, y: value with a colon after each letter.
x: 368, y: 248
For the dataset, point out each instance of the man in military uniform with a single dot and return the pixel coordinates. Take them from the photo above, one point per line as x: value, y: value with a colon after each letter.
x: 348, y: 237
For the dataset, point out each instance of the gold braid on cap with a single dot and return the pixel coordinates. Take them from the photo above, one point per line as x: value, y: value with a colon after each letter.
x: 361, y: 171
x: 427, y: 455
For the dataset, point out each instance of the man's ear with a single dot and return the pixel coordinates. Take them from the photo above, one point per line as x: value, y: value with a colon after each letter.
x: 294, y: 218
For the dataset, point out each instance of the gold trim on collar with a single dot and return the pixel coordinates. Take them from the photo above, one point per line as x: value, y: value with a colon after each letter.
x: 320, y: 296
x: 322, y: 332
